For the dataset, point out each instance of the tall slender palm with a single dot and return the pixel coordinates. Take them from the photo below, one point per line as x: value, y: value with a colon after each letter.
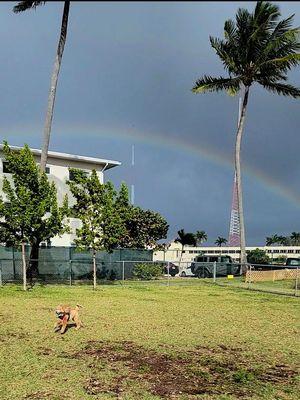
x: 220, y: 240
x: 257, y: 48
x: 185, y: 238
x: 201, y: 237
x: 26, y: 5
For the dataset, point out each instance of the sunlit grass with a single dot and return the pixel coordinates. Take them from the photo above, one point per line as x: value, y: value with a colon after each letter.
x: 35, y: 361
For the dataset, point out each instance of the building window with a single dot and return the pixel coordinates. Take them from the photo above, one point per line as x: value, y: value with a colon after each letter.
x: 270, y: 251
x: 232, y: 251
x: 275, y: 251
x: 297, y: 251
x: 6, y: 168
x: 290, y: 251
x: 224, y: 251
x: 47, y: 170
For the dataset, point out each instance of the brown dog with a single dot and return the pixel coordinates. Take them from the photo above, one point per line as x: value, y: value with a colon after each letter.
x: 65, y: 313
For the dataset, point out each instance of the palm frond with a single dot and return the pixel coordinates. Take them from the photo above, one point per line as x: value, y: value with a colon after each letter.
x: 224, y: 51
x: 288, y: 61
x: 230, y: 30
x: 281, y: 88
x: 26, y: 5
x: 266, y: 11
x: 211, y: 84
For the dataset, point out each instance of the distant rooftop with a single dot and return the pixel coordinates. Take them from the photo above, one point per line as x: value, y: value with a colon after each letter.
x: 73, y: 157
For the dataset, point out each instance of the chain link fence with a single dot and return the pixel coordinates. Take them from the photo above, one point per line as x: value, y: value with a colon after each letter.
x: 127, y: 267
x: 275, y: 279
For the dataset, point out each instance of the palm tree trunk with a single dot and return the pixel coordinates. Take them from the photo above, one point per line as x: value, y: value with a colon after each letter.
x: 239, y: 179
x: 54, y: 79
x: 24, y: 266
x: 181, y: 256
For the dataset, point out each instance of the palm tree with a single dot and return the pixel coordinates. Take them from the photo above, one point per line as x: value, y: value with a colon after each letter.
x: 295, y: 238
x: 185, y: 238
x: 283, y: 240
x: 258, y: 48
x: 220, y: 240
x: 272, y: 240
x: 201, y: 237
x: 26, y: 5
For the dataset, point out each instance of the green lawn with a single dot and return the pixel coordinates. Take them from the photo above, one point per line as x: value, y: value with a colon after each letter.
x: 150, y: 342
x: 281, y: 286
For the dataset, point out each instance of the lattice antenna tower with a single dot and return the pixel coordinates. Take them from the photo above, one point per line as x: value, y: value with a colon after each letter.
x: 234, y: 229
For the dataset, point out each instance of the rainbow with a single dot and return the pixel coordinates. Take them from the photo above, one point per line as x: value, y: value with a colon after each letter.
x: 164, y: 141
x: 174, y: 143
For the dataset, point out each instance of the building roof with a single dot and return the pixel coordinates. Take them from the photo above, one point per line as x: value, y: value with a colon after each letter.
x: 73, y: 157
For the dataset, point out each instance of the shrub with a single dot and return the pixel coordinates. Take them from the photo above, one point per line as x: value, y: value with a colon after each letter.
x: 258, y: 256
x: 147, y: 271
x: 112, y: 276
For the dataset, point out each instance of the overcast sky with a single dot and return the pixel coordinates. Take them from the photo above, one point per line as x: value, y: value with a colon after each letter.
x: 126, y: 76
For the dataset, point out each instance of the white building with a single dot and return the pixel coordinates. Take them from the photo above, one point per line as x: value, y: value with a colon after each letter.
x: 174, y: 253
x: 57, y: 169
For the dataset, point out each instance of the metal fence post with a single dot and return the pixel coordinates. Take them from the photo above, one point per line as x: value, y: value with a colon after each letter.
x: 168, y: 273
x: 249, y: 276
x: 14, y: 262
x: 70, y: 272
x: 123, y: 272
x: 215, y: 271
x: 296, y: 283
x: 0, y: 273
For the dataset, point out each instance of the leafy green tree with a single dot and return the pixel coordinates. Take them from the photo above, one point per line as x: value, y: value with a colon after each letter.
x: 258, y: 256
x: 220, y: 240
x: 201, y: 237
x: 185, y: 239
x: 257, y: 48
x: 26, y: 5
x: 143, y: 228
x: 101, y: 227
x: 29, y: 212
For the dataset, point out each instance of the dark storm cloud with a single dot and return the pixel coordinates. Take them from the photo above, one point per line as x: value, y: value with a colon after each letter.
x: 132, y: 65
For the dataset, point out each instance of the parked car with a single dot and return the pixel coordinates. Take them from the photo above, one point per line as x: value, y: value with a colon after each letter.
x: 203, y: 266
x: 292, y: 263
x: 171, y: 268
x: 187, y: 272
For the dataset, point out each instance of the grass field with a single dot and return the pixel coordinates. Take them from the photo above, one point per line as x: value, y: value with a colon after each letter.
x: 150, y: 342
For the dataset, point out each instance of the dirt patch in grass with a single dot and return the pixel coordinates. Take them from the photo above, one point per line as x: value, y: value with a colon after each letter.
x: 201, y: 371
x: 38, y: 396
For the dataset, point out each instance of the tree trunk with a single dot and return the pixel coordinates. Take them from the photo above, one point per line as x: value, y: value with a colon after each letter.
x: 180, y: 256
x: 239, y: 179
x: 33, y: 269
x: 94, y: 269
x: 54, y: 79
x: 24, y: 266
